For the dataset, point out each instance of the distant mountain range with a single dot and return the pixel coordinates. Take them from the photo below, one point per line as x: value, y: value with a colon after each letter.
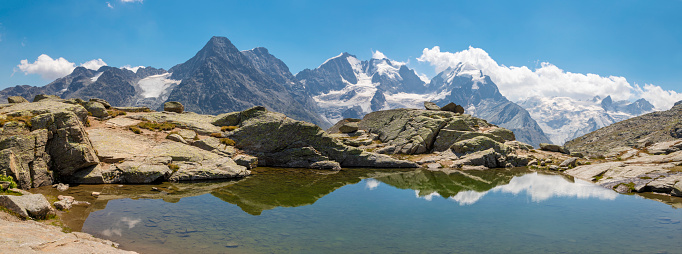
x: 564, y: 119
x: 220, y: 78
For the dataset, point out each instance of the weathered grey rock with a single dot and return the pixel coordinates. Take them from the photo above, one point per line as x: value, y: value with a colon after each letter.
x: 62, y: 187
x: 135, y: 173
x: 551, y: 148
x: 488, y: 158
x: 63, y: 205
x: 213, y: 144
x: 518, y: 145
x: 452, y: 107
x: 176, y: 138
x: 664, y: 183
x: 16, y: 99
x: 445, y: 139
x: 479, y: 143
x: 222, y: 168
x: 677, y: 189
x: 577, y: 154
x: 504, y: 134
x: 227, y: 119
x: 247, y: 161
x: 188, y: 135
x: 27, y: 206
x: 553, y: 167
x: 202, y: 124
x: 96, y: 109
x: 173, y: 106
x: 665, y: 147
x: 349, y: 127
x: 431, y: 106
x: 4, y: 185
x: 533, y: 162
x: 268, y: 136
x: 102, y: 101
x: 13, y: 166
x: 41, y: 97
x: 70, y: 145
x: 570, y: 162
x: 332, y: 165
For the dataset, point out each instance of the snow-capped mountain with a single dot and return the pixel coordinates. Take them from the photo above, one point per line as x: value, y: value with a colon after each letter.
x: 564, y: 118
x: 345, y: 87
x: 480, y: 96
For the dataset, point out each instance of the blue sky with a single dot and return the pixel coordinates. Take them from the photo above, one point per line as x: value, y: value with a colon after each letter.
x: 638, y: 40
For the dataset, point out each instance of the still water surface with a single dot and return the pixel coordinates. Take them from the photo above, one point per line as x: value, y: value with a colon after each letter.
x: 369, y: 211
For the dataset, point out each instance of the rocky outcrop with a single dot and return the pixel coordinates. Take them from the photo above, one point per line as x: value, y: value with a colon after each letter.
x: 634, y: 170
x: 637, y: 132
x: 96, y: 109
x: 268, y: 136
x: 455, y: 139
x: 43, y: 142
x: 16, y: 99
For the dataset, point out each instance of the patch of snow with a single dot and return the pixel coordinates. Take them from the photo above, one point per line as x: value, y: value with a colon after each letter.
x: 96, y: 77
x: 329, y: 60
x: 154, y: 85
x: 378, y: 55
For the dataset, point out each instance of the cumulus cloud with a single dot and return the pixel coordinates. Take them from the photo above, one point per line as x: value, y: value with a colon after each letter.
x: 49, y: 68
x: 94, y: 64
x: 518, y: 83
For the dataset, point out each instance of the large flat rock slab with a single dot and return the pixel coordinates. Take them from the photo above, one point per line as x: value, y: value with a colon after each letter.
x: 33, y: 237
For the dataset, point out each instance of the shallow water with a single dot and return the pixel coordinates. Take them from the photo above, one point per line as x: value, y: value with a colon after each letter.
x: 371, y: 211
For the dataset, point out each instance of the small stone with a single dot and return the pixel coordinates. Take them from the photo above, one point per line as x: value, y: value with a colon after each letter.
x: 554, y: 167
x: 96, y: 109
x: 173, y: 106
x: 104, y: 103
x: 176, y: 138
x: 247, y: 161
x: 570, y: 162
x: 431, y: 106
x: 155, y: 189
x: 577, y: 154
x: 16, y: 99
x: 533, y: 162
x: 62, y: 187
x: 333, y: 165
x: 63, y: 205
x: 452, y: 107
x: 81, y: 203
x: 96, y: 194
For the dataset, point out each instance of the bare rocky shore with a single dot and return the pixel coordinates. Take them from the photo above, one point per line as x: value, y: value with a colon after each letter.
x: 56, y: 142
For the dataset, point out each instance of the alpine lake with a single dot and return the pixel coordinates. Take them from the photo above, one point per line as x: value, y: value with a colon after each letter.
x: 282, y: 210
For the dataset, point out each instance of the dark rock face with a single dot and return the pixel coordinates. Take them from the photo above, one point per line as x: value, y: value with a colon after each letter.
x: 638, y: 107
x: 16, y: 99
x: 487, y: 103
x: 325, y: 78
x: 220, y: 78
x: 641, y: 131
x: 116, y: 86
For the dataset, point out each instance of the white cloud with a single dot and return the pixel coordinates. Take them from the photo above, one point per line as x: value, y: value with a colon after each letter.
x: 109, y: 5
x: 50, y: 69
x: 131, y: 68
x: 94, y: 64
x: 47, y: 67
x: 518, y: 83
x: 371, y: 184
x: 131, y: 1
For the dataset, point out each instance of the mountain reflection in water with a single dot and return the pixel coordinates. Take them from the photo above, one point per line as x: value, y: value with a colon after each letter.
x: 366, y: 210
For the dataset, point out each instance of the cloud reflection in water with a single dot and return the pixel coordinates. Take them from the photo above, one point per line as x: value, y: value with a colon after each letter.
x: 540, y: 188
